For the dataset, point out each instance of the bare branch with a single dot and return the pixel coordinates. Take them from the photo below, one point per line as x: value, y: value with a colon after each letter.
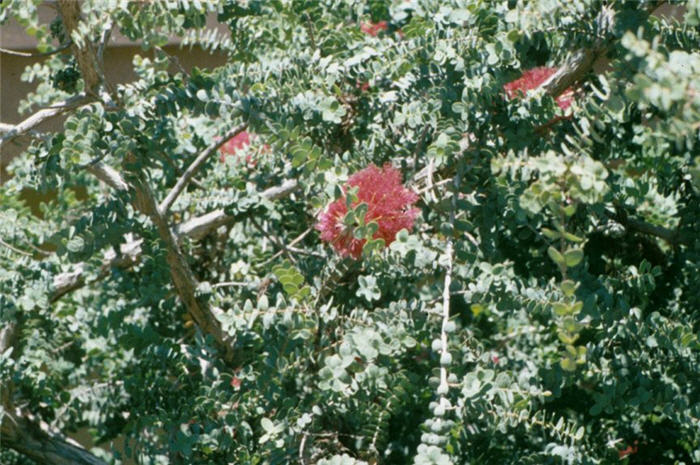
x: 443, y: 387
x: 109, y: 176
x: 130, y: 254
x: 67, y: 282
x: 34, y: 440
x: 190, y: 172
x: 662, y: 233
x: 197, y: 228
x: 283, y: 190
x: 13, y: 131
x: 581, y: 61
x: 15, y: 249
x: 230, y: 284
x: 8, y: 337
x: 573, y: 70
x: 289, y: 246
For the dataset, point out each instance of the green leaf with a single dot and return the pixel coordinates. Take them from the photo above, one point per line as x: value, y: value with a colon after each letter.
x: 568, y: 363
x: 573, y: 257
x: 566, y: 337
x: 568, y: 287
x: 477, y: 309
x: 561, y: 309
x: 368, y: 288
x: 556, y: 256
x: 572, y: 237
x: 553, y: 235
x: 267, y: 425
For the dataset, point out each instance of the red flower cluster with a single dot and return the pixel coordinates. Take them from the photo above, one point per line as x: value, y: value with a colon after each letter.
x: 531, y: 80
x: 388, y: 204
x: 633, y: 449
x: 363, y: 86
x: 374, y: 28
x: 234, y: 144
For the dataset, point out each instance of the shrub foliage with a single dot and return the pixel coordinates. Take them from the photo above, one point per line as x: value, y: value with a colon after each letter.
x: 539, y: 305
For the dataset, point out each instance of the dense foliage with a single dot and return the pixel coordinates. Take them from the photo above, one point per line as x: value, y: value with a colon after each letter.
x: 175, y: 297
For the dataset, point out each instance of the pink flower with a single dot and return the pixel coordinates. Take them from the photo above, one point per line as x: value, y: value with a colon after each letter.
x: 531, y: 80
x: 629, y: 450
x: 239, y: 142
x: 363, y: 86
x: 234, y: 144
x: 374, y: 28
x: 388, y: 204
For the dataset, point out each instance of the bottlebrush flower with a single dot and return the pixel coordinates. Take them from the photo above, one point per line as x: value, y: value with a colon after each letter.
x: 531, y: 80
x: 239, y: 142
x: 388, y: 204
x: 234, y: 144
x: 374, y: 28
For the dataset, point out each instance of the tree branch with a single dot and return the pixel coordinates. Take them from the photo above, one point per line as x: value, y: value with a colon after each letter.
x: 130, y: 254
x: 197, y: 228
x: 192, y: 169
x: 182, y: 276
x: 16, y: 130
x: 85, y: 55
x: 581, y: 61
x: 671, y: 236
x: 34, y: 440
x: 109, y: 176
x: 8, y: 337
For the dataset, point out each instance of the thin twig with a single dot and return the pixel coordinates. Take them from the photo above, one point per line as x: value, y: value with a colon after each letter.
x: 36, y: 55
x: 173, y: 60
x: 274, y: 240
x: 434, y: 185
x: 302, y: 446
x: 291, y: 244
x: 192, y: 169
x: 229, y: 284
x: 14, y: 249
x: 305, y: 252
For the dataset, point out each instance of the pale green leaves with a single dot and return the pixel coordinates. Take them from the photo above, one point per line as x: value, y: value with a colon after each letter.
x: 573, y: 357
x: 272, y: 431
x: 344, y: 459
x: 562, y: 181
x: 315, y: 104
x: 292, y: 281
x: 368, y: 288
